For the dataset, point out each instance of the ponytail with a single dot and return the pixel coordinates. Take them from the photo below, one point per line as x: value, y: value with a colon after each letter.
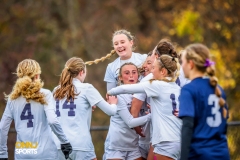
x: 214, y: 82
x: 29, y: 89
x: 26, y: 84
x: 66, y: 88
x: 96, y: 61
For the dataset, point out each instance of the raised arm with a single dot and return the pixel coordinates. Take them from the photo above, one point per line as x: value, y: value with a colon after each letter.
x: 109, y: 109
x: 127, y: 89
x: 95, y: 99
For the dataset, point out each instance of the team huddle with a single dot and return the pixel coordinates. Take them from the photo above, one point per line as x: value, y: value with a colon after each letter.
x: 163, y: 106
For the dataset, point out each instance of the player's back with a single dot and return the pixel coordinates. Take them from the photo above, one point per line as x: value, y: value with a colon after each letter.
x: 209, y: 135
x: 163, y: 100
x: 33, y: 132
x: 75, y: 116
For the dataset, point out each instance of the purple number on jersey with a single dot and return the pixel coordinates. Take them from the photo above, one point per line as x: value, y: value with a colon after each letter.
x: 70, y: 106
x: 29, y: 116
x: 57, y: 109
x: 178, y: 81
x: 172, y: 97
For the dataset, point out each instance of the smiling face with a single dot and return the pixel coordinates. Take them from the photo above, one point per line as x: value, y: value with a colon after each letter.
x: 147, y: 66
x: 129, y: 74
x: 123, y: 46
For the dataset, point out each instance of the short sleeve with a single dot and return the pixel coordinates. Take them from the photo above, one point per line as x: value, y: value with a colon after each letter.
x: 140, y: 96
x: 109, y: 75
x: 93, y: 96
x: 186, y: 107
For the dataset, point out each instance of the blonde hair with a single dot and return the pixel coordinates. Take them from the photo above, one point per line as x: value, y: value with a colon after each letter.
x: 172, y: 66
x: 26, y: 85
x: 71, y: 70
x: 120, y: 71
x: 200, y: 55
x: 122, y: 31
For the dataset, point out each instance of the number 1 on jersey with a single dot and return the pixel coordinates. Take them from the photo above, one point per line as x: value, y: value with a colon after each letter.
x: 29, y: 116
x: 57, y: 109
x: 174, y: 104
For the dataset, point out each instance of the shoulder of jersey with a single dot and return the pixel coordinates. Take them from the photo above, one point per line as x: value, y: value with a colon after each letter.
x: 190, y: 86
x: 115, y: 61
x: 124, y: 96
x: 147, y: 77
x: 85, y: 85
x: 55, y: 88
x: 140, y: 55
x: 45, y: 91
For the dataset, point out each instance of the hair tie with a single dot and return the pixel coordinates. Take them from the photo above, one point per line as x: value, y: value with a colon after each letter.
x: 208, y: 63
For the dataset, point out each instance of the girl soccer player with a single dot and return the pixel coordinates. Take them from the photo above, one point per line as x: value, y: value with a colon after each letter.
x: 74, y: 101
x: 33, y: 110
x: 202, y: 108
x: 163, y: 93
x: 123, y: 44
x: 122, y: 140
x: 139, y: 108
x: 164, y: 47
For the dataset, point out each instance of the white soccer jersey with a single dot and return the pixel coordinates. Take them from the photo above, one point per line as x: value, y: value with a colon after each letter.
x: 143, y: 97
x: 75, y: 116
x: 163, y: 100
x: 32, y: 123
x: 182, y: 79
x: 121, y: 137
x: 112, y: 70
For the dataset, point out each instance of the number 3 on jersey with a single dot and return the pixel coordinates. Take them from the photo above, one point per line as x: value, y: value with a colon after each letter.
x: 27, y: 115
x: 214, y: 122
x: 70, y: 106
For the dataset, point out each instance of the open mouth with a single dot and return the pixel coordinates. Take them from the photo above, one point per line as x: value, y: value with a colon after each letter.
x: 131, y: 81
x: 121, y: 50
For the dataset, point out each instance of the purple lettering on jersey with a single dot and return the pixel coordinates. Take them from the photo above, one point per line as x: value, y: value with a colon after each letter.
x: 57, y: 109
x: 29, y: 116
x: 174, y: 104
x: 178, y: 81
x: 70, y: 106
